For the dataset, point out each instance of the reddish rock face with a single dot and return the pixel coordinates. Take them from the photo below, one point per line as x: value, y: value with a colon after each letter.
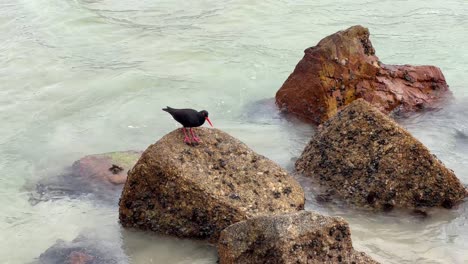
x: 343, y: 67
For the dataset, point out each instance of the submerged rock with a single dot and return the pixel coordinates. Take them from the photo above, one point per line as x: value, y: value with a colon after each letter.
x: 109, y: 167
x: 197, y: 191
x: 83, y: 250
x: 366, y: 159
x: 100, y: 175
x: 301, y: 237
x: 344, y: 67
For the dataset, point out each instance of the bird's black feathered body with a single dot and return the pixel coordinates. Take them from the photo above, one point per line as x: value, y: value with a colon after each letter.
x: 188, y: 117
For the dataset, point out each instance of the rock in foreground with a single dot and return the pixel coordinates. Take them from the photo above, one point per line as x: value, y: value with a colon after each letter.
x: 197, y: 191
x: 366, y: 159
x: 344, y: 67
x: 301, y: 237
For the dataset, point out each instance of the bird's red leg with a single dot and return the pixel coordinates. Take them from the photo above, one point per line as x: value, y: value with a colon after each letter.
x: 195, y: 138
x: 187, y: 138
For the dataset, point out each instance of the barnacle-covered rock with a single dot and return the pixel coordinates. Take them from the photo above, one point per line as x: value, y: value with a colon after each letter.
x: 300, y: 237
x: 365, y: 158
x: 197, y: 191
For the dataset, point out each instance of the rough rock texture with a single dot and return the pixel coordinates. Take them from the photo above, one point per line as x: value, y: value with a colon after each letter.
x: 365, y: 158
x: 83, y: 250
x: 301, y: 237
x: 197, y: 191
x: 99, y: 175
x: 344, y: 67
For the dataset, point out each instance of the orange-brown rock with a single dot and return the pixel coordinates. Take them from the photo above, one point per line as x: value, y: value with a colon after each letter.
x: 197, y: 191
x: 301, y: 237
x: 364, y: 158
x: 344, y: 67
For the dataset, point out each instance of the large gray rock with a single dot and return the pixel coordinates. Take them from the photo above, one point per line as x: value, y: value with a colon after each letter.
x: 301, y: 237
x: 197, y: 191
x: 364, y: 158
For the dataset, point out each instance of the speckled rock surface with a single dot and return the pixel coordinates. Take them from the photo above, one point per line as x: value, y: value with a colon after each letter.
x: 366, y: 159
x: 197, y: 191
x: 343, y: 67
x: 301, y: 237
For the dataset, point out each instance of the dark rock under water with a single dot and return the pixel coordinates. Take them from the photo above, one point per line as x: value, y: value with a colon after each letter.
x: 87, y: 248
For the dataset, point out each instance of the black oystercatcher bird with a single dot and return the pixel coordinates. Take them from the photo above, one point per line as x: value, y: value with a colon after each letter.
x: 189, y: 118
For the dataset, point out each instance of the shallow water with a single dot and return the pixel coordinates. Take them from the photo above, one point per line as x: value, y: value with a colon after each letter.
x: 89, y: 76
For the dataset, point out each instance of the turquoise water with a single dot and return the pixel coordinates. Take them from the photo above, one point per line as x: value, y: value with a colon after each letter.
x: 90, y: 76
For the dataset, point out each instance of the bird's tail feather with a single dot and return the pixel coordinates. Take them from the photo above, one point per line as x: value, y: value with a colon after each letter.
x: 167, y: 109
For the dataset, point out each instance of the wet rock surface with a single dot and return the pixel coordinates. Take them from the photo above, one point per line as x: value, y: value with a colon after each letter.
x: 364, y: 158
x: 108, y: 167
x: 301, y: 237
x: 344, y: 67
x: 197, y: 191
x: 83, y: 250
x: 100, y: 175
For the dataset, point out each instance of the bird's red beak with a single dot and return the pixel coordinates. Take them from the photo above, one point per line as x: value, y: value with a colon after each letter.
x: 207, y: 119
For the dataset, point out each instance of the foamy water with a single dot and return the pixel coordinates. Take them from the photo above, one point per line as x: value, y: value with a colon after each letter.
x: 90, y: 76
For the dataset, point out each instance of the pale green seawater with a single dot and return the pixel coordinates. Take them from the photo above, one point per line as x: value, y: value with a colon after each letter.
x: 79, y: 77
